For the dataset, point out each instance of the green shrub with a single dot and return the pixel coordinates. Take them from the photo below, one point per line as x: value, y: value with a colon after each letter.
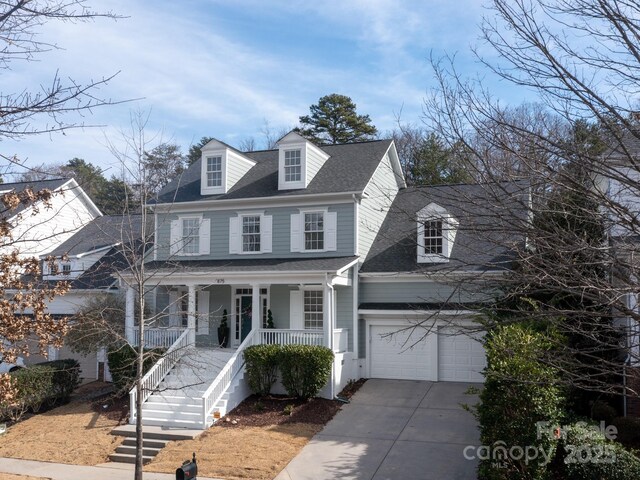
x: 261, y: 363
x: 588, y: 455
x: 47, y: 383
x: 123, y: 363
x: 519, y: 391
x: 305, y: 369
x: 66, y: 377
x: 601, y: 410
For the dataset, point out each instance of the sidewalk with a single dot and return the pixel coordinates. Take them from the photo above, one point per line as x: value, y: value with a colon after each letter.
x: 60, y: 471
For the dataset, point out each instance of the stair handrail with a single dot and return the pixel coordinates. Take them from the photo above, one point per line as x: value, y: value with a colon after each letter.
x: 225, y: 377
x: 156, y: 374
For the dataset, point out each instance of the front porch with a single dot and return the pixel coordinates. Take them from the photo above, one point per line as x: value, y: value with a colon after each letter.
x: 184, y: 316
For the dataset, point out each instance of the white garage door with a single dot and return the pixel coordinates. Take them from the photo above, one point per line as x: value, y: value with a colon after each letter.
x: 461, y: 356
x: 402, y: 354
x: 451, y: 355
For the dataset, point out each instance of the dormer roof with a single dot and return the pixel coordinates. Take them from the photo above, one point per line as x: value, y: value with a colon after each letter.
x: 348, y: 169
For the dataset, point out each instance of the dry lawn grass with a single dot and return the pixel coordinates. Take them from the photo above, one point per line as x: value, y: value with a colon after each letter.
x: 73, y: 433
x: 10, y: 476
x: 256, y: 453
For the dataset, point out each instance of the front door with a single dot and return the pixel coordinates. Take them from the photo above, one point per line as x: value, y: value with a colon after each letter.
x: 243, y: 317
x: 246, y: 316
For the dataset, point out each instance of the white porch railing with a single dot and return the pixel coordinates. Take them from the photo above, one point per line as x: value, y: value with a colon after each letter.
x: 158, y: 337
x: 291, y: 337
x: 223, y: 381
x: 340, y: 340
x: 157, y: 373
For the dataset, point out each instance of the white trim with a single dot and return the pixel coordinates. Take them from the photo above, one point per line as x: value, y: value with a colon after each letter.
x: 356, y: 225
x: 413, y: 313
x: 231, y: 204
x: 205, y: 189
x: 405, y: 277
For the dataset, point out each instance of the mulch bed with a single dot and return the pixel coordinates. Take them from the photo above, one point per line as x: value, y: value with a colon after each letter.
x: 258, y: 411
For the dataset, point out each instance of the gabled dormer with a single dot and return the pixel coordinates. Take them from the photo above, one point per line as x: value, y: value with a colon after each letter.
x: 298, y: 161
x: 436, y: 234
x: 222, y: 166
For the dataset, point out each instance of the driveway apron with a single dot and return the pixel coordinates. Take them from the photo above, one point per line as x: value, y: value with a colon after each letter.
x: 394, y: 429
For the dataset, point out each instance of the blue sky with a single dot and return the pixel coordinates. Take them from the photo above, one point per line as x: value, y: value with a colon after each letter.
x: 221, y: 68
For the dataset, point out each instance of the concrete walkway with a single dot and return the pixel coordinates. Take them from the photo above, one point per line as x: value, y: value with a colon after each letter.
x: 393, y: 429
x: 60, y: 471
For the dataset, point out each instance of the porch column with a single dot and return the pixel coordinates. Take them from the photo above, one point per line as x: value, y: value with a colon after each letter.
x: 327, y: 320
x: 256, y: 308
x: 191, y: 314
x: 129, y: 328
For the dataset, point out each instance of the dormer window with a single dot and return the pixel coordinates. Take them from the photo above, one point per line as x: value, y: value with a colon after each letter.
x: 436, y: 234
x: 299, y: 161
x: 433, y: 240
x: 221, y: 167
x: 66, y: 268
x: 292, y: 166
x: 214, y: 171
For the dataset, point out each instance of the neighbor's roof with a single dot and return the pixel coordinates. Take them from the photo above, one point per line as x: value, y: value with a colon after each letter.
x: 328, y: 264
x: 35, y: 185
x: 348, y: 169
x: 103, y: 232
x: 490, y: 218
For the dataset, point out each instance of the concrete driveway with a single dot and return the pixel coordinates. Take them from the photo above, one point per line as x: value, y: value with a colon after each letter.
x: 396, y: 430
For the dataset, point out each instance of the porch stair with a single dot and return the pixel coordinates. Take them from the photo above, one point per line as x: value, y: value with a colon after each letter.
x: 177, y: 401
x: 154, y: 439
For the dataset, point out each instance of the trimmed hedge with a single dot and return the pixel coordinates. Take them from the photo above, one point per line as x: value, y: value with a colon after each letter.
x: 123, y: 363
x: 47, y: 383
x: 590, y: 456
x: 305, y: 369
x: 519, y: 391
x: 262, y: 367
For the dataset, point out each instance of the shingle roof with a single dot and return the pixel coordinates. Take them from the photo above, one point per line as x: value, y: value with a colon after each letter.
x: 102, y: 232
x: 490, y: 219
x: 329, y: 264
x: 35, y: 185
x: 348, y: 169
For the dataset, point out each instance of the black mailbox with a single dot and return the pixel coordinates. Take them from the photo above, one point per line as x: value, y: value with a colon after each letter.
x: 188, y: 470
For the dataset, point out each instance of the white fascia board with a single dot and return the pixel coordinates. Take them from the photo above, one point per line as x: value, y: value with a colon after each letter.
x: 347, y: 266
x: 257, y: 202
x: 414, y: 313
x: 395, y: 164
x: 97, y: 250
x: 386, y: 277
x: 74, y: 186
x: 230, y: 278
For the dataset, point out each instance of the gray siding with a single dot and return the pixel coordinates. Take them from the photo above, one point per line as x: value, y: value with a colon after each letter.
x: 381, y: 191
x: 344, y: 311
x: 219, y: 300
x: 279, y: 305
x: 281, y: 235
x: 416, y: 292
x: 362, y: 338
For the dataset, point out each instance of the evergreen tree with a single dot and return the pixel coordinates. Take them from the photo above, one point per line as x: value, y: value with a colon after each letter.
x: 334, y: 120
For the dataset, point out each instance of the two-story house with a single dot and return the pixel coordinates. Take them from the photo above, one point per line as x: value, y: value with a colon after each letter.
x: 331, y: 241
x: 39, y: 229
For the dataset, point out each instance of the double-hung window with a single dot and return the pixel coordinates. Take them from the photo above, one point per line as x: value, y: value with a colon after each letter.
x: 190, y: 235
x: 433, y: 240
x: 214, y: 171
x: 313, y: 311
x: 292, y: 166
x: 314, y: 231
x: 251, y: 233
